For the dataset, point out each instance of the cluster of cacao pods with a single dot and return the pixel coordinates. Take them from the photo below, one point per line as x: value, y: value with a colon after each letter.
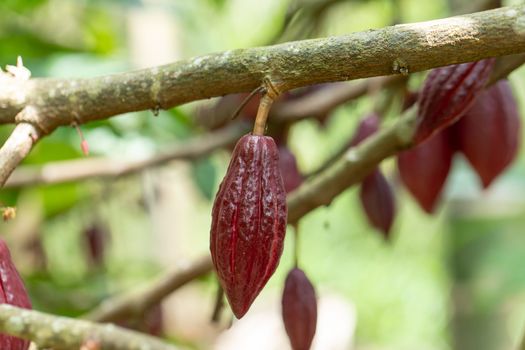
x: 12, y: 291
x: 455, y: 114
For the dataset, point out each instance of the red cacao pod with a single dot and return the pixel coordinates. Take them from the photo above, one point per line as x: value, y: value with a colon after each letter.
x: 248, y: 221
x: 299, y: 308
x: 378, y: 202
x: 12, y: 292
x: 424, y: 169
x: 488, y: 134
x: 292, y: 178
x: 367, y: 126
x: 447, y: 93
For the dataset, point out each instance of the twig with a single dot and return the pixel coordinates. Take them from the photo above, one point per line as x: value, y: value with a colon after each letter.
x: 323, y: 101
x: 16, y: 148
x: 80, y: 169
x: 137, y: 301
x: 62, y: 333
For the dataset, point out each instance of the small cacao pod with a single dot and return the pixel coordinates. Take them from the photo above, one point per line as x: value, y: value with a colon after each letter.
x: 292, y: 178
x: 367, y: 126
x: 376, y: 195
x: 378, y: 202
x: 12, y: 292
x: 248, y: 221
x: 447, y: 93
x: 299, y: 308
x: 95, y: 239
x: 424, y: 169
x: 488, y: 134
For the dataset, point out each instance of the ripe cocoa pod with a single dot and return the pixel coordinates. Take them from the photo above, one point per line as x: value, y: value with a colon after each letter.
x: 424, y: 169
x: 299, y: 309
x: 489, y: 132
x: 447, y: 93
x: 378, y: 202
x: 12, y: 291
x: 248, y: 221
x: 292, y: 178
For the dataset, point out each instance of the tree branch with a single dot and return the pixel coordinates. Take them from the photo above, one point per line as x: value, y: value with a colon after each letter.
x: 62, y: 333
x: 16, y: 148
x: 415, y: 47
x: 137, y: 301
x: 49, y: 103
x: 80, y: 169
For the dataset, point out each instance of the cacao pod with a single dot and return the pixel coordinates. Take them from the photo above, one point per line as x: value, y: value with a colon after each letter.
x: 424, y: 169
x: 95, y: 240
x: 248, y: 221
x: 12, y: 292
x: 292, y: 178
x: 447, y: 93
x: 378, y: 202
x: 488, y: 134
x: 376, y: 195
x: 299, y: 309
x: 367, y: 126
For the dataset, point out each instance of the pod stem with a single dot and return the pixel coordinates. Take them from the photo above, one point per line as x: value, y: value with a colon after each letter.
x: 296, y: 245
x: 269, y: 96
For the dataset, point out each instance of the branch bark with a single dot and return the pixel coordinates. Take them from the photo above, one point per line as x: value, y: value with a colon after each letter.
x: 413, y: 47
x: 62, y: 333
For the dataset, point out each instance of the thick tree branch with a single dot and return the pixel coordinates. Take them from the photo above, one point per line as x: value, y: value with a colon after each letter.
x: 80, y: 169
x: 413, y: 47
x: 62, y: 333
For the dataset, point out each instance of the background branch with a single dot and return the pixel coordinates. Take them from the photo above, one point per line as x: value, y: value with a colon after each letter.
x: 62, y: 333
x: 80, y: 169
x: 137, y: 301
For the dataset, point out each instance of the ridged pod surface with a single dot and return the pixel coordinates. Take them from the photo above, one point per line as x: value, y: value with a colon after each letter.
x: 447, y: 93
x: 299, y: 309
x: 248, y: 221
x: 489, y: 132
x: 424, y: 169
x: 12, y: 292
x: 378, y: 202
